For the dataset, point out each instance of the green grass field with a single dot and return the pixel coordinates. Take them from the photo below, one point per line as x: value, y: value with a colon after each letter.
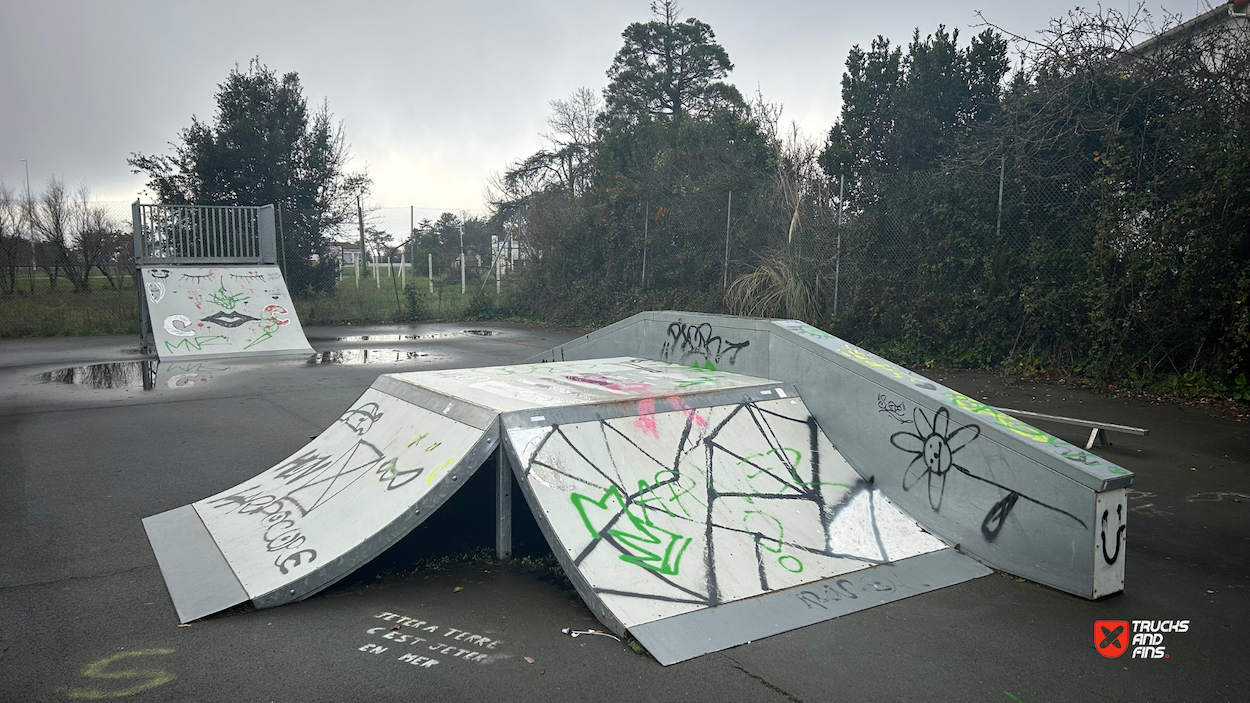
x: 106, y: 310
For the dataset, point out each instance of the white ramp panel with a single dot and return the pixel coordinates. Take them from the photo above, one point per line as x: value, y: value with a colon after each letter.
x: 662, y: 514
x: 222, y: 311
x: 295, y: 529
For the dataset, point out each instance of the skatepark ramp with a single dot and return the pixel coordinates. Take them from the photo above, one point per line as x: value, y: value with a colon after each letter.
x: 693, y: 506
x: 209, y: 285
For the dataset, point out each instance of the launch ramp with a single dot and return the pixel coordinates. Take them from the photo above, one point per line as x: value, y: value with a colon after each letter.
x: 1012, y: 496
x: 339, y: 501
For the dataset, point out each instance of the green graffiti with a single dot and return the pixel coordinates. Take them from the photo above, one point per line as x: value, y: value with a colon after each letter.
x: 197, y: 343
x: 647, y: 496
x: 795, y: 458
x: 817, y: 331
x: 267, y: 330
x: 854, y: 353
x: 1002, y: 419
x: 787, y: 560
x: 1031, y: 433
x: 226, y: 300
x: 644, y: 542
x: 760, y: 538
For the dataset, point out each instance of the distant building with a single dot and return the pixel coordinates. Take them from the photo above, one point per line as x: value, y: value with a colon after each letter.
x: 1225, y: 18
x: 346, y: 251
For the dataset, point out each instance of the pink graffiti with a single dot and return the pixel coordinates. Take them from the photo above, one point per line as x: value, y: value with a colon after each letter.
x: 691, y: 415
x: 645, y: 422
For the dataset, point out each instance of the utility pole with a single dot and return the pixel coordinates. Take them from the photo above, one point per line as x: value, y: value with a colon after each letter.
x: 462, y: 260
x: 360, y: 218
x: 30, y: 226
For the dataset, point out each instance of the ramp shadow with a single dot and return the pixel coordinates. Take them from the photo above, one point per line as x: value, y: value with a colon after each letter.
x: 462, y: 529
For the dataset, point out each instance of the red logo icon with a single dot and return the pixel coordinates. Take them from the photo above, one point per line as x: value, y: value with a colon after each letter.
x: 1111, y: 637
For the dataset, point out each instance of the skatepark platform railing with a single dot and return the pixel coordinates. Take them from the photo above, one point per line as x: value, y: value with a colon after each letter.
x: 203, y: 234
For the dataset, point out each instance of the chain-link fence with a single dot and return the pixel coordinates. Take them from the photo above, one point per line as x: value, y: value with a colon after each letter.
x: 1042, y: 263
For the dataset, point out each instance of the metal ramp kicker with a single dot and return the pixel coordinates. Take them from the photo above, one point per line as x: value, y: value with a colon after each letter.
x: 300, y: 526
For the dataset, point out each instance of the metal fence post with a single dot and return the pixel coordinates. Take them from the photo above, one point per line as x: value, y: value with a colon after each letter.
x: 136, y: 221
x: 837, y: 260
x: 1002, y: 170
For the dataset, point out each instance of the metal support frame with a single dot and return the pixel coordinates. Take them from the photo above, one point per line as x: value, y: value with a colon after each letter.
x: 503, y: 505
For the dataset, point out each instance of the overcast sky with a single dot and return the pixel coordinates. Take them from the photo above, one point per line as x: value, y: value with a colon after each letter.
x: 434, y: 96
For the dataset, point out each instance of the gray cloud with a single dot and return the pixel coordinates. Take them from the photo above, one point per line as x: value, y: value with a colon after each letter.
x: 435, y: 96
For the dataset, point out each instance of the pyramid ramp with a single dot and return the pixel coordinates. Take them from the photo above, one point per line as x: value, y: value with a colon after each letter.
x: 221, y: 311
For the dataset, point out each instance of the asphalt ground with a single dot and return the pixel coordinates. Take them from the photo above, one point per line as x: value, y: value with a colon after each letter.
x: 84, y: 613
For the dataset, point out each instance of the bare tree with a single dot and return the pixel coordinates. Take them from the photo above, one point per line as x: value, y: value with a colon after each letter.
x: 565, y: 163
x: 10, y: 238
x: 72, y: 232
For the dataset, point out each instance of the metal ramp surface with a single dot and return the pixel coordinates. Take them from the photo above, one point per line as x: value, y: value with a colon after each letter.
x: 220, y: 311
x: 701, y: 523
x: 298, y: 527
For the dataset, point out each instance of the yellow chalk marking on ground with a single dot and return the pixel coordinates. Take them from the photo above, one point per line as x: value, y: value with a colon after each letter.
x: 150, y: 678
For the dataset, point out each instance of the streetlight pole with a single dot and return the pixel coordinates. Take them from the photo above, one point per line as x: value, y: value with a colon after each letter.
x: 462, y: 261
x: 30, y: 225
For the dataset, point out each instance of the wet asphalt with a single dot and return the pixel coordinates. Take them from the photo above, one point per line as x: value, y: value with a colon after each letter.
x: 84, y: 613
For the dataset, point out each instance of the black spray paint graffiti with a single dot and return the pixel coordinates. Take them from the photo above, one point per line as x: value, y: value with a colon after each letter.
x: 994, y: 519
x: 308, y: 481
x: 686, y: 498
x: 1119, y: 534
x: 895, y: 410
x: 844, y: 589
x: 935, y: 445
x: 699, y: 340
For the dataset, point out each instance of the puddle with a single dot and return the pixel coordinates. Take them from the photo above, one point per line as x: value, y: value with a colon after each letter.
x: 365, y: 356
x: 135, y: 374
x: 123, y: 374
x: 378, y: 338
x: 404, y: 337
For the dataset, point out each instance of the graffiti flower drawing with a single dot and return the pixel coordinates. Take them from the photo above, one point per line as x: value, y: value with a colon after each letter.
x: 935, y: 446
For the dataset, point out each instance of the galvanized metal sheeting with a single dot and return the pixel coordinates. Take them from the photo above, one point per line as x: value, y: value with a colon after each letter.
x: 1011, y: 495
